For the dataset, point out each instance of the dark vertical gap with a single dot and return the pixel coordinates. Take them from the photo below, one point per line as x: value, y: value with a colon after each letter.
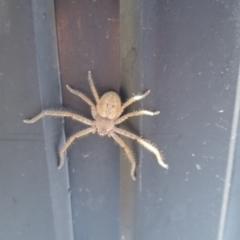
x: 88, y: 39
x: 131, y: 74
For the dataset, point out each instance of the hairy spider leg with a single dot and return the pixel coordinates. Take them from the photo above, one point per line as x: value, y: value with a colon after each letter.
x: 59, y: 114
x: 92, y: 86
x: 81, y: 95
x: 147, y: 144
x: 70, y: 141
x: 128, y: 152
x: 134, y: 99
x: 135, y: 113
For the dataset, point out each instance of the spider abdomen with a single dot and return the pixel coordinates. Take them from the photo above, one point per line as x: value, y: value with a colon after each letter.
x: 109, y: 105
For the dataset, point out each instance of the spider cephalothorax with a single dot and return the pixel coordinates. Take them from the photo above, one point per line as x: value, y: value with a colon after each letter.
x: 106, y: 113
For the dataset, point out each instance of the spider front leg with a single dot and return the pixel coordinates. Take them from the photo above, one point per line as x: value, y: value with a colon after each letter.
x: 81, y: 95
x: 134, y: 99
x: 84, y: 98
x: 128, y: 152
x: 149, y: 146
x: 59, y: 114
x: 70, y: 141
x: 136, y: 113
x: 93, y: 89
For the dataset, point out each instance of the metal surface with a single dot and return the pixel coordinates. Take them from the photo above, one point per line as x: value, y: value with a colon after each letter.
x: 35, y: 201
x: 88, y: 37
x: 51, y: 97
x: 131, y: 82
x: 186, y: 53
x: 190, y: 61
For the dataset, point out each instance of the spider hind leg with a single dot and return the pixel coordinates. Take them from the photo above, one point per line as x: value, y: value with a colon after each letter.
x: 146, y: 143
x: 128, y: 152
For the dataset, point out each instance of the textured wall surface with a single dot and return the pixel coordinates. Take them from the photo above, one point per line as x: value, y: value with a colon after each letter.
x: 186, y: 53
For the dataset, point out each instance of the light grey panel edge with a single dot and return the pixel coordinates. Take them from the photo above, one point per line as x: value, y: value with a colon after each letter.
x: 50, y: 90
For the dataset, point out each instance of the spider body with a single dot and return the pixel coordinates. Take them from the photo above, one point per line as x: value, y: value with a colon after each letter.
x: 106, y: 113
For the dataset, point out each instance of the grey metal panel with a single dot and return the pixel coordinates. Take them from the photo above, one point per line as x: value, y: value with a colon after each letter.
x: 231, y: 209
x: 34, y: 194
x: 51, y: 97
x: 186, y: 53
x: 24, y: 184
x: 188, y: 59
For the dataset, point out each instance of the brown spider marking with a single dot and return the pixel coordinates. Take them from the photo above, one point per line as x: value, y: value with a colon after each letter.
x: 106, y: 113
